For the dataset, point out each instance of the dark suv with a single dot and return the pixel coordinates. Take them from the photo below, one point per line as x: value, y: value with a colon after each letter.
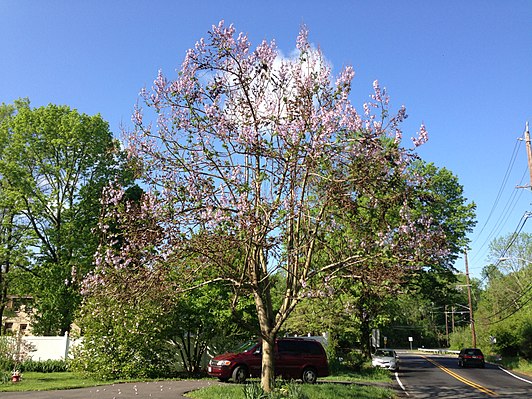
x: 471, y: 357
x: 295, y: 358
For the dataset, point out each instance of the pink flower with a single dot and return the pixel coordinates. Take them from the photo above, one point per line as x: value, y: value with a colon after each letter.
x: 302, y: 43
x: 422, y: 137
x: 377, y: 89
x: 345, y: 77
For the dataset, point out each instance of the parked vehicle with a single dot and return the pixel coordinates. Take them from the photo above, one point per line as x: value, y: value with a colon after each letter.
x: 385, y: 358
x: 295, y: 358
x: 471, y: 357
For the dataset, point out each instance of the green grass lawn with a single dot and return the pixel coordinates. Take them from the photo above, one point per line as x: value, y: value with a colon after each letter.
x: 344, y: 384
x: 316, y: 391
x: 32, y: 381
x: 516, y: 364
x: 48, y: 381
x: 369, y: 374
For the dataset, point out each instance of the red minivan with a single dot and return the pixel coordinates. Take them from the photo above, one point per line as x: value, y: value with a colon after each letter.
x: 295, y: 358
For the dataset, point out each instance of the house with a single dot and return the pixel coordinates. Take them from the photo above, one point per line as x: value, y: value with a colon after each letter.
x: 17, y: 315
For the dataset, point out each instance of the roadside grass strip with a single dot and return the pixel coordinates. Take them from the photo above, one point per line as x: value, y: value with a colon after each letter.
x: 462, y: 379
x: 515, y: 376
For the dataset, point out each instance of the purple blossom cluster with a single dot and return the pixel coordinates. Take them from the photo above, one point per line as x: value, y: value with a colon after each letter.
x: 244, y: 140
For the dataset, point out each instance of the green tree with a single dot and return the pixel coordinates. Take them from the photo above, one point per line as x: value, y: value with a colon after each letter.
x: 14, y: 237
x: 505, y: 310
x: 134, y: 322
x: 261, y: 152
x: 56, y: 161
x: 432, y: 289
x: 374, y: 296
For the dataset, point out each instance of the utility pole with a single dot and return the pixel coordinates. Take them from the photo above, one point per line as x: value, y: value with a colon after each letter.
x: 472, y: 321
x: 452, y: 319
x: 447, y: 326
x: 528, y: 152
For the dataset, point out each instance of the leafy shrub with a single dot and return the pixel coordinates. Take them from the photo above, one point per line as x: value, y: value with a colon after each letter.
x: 5, y: 376
x: 13, y: 351
x: 332, y: 351
x: 354, y: 360
x: 281, y: 390
x: 460, y: 338
x: 44, y: 366
x: 6, y: 360
x: 123, y: 341
x: 253, y: 391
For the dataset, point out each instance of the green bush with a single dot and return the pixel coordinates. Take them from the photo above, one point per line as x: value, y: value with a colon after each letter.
x: 332, y: 355
x: 7, y: 354
x: 354, y: 360
x: 460, y: 338
x: 123, y: 341
x: 43, y: 366
x: 5, y: 376
x: 281, y: 390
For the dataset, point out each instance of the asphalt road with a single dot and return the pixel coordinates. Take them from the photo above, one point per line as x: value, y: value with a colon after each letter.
x: 433, y: 376
x: 139, y: 390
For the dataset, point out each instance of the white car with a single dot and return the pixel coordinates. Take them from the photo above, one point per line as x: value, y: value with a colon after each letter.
x: 385, y: 358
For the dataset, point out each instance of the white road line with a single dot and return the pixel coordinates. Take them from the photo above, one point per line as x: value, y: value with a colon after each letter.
x: 515, y: 376
x: 400, y: 383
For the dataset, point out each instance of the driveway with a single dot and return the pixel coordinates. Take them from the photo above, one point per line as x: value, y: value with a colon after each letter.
x: 138, y: 390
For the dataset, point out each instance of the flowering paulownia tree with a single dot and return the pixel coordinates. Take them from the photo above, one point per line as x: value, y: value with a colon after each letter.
x: 252, y: 158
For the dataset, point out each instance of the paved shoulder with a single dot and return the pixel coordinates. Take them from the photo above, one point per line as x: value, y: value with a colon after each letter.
x: 137, y: 390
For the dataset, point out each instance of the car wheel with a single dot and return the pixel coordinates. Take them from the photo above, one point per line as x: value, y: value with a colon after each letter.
x: 309, y: 375
x: 240, y: 373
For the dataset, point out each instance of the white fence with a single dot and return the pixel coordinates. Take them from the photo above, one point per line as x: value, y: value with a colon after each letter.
x: 49, y: 348
x: 58, y: 347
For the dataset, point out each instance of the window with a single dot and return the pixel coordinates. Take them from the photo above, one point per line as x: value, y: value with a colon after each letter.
x: 299, y: 347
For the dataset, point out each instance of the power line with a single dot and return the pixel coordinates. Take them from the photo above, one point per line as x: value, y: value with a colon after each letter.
x: 525, y: 292
x: 514, y: 236
x: 502, y: 220
x: 508, y: 207
x: 502, y: 186
x: 512, y: 239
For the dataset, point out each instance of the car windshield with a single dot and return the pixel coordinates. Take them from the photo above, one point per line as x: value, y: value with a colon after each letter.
x: 246, y: 346
x: 384, y: 353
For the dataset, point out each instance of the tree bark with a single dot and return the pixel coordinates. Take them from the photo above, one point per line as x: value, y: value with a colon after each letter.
x: 268, y: 334
x: 268, y: 363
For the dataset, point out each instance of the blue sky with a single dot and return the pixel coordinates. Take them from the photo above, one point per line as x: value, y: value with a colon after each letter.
x: 464, y: 68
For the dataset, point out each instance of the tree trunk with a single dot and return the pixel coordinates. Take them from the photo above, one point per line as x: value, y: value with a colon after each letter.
x: 263, y: 304
x: 265, y: 315
x: 268, y: 363
x: 365, y: 332
x: 268, y: 341
x: 4, y: 271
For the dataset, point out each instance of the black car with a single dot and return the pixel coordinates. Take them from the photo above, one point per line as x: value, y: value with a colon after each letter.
x: 471, y: 357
